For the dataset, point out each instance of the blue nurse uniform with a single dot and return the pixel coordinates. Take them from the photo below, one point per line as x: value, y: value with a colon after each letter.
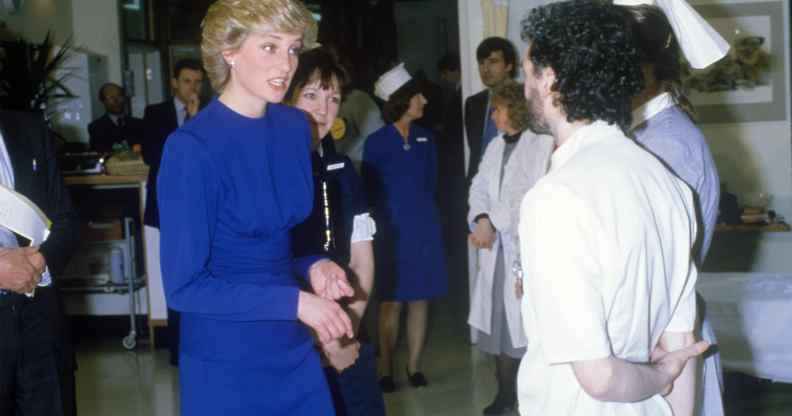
x: 401, y: 181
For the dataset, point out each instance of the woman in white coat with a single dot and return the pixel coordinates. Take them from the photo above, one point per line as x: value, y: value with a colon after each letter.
x: 511, y: 165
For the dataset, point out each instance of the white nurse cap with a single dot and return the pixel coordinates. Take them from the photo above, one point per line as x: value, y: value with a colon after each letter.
x: 391, y: 81
x: 700, y: 42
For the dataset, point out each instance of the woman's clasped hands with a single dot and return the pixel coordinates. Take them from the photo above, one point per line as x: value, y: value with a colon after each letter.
x: 320, y: 309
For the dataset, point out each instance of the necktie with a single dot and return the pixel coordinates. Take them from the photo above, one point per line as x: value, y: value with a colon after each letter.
x: 490, y: 131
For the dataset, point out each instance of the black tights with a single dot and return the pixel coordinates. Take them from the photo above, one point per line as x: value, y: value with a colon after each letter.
x: 506, y: 373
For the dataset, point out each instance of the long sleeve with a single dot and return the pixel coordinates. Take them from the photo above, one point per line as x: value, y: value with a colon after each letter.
x: 478, y: 196
x: 189, y: 199
x: 152, y: 143
x: 433, y: 166
x: 94, y: 139
x: 300, y: 265
x: 369, y: 174
x: 59, y: 247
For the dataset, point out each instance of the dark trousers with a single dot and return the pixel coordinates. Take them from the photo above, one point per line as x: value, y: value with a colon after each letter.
x: 355, y: 390
x: 29, y: 373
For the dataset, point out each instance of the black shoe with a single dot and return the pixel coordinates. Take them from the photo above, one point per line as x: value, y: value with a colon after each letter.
x: 387, y: 385
x: 417, y: 379
x: 499, y: 407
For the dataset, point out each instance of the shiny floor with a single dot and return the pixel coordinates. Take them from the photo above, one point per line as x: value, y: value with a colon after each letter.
x: 113, y: 381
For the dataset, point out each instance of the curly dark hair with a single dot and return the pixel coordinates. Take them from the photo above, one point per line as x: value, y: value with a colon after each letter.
x: 596, y: 64
x: 509, y: 95
x: 317, y: 63
x: 399, y: 101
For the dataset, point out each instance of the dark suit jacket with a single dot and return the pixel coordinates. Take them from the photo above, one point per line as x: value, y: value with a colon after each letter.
x: 475, y: 107
x: 27, y: 140
x: 104, y: 133
x: 159, y: 121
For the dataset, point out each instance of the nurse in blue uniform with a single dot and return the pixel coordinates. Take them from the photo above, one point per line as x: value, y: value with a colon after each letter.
x: 340, y: 226
x: 233, y: 182
x: 400, y: 176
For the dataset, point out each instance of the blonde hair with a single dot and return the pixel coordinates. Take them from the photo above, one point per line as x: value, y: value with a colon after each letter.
x: 229, y: 22
x: 510, y: 96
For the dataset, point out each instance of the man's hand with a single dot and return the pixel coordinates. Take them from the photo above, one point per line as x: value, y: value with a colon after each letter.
x: 20, y: 269
x: 483, y: 235
x: 193, y: 105
x: 324, y: 316
x: 329, y: 280
x: 672, y: 363
x: 341, y: 355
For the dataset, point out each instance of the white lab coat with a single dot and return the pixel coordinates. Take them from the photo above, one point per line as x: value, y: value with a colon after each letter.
x: 528, y: 162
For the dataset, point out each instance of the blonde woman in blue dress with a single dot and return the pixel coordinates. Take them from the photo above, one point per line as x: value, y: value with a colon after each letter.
x: 233, y: 182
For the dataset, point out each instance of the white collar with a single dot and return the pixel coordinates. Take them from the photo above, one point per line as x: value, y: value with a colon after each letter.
x: 581, y: 139
x: 651, y: 108
x: 179, y: 105
x: 6, y: 170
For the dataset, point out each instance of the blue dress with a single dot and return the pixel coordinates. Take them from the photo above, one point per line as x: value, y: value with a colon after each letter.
x: 401, y: 182
x: 230, y: 190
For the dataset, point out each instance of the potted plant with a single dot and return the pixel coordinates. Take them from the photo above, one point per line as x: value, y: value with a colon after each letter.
x: 28, y: 74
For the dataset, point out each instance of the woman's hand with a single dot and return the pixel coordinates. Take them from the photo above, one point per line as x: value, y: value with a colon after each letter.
x: 324, y: 316
x: 341, y: 355
x: 329, y: 280
x: 483, y: 235
x: 193, y: 104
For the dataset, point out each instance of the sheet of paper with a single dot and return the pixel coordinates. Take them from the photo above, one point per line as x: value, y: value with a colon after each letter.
x: 23, y: 217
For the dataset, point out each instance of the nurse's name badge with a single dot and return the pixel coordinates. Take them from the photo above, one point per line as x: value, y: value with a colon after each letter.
x: 335, y: 166
x: 421, y: 139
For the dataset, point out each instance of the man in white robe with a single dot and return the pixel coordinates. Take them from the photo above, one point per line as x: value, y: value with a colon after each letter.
x: 606, y: 236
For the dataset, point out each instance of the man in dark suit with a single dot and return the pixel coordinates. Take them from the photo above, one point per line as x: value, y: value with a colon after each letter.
x: 160, y: 120
x: 36, y: 357
x: 497, y: 61
x: 115, y: 126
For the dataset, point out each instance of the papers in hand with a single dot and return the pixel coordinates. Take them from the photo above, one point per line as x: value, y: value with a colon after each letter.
x: 23, y: 217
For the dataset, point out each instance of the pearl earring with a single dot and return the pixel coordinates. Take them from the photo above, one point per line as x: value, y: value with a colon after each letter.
x: 232, y: 62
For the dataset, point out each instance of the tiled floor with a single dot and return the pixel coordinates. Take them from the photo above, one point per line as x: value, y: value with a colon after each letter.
x: 112, y: 381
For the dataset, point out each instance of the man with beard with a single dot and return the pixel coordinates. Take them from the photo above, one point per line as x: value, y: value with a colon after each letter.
x: 606, y: 236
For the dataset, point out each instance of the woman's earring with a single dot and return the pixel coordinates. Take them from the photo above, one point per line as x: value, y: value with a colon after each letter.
x: 232, y: 63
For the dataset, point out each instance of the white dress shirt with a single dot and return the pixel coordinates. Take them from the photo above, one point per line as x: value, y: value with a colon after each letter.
x: 606, y: 240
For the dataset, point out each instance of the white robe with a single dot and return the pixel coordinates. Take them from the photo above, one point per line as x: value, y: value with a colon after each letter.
x: 528, y: 162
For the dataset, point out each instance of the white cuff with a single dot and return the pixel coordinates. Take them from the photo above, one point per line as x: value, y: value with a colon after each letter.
x: 46, y: 280
x: 363, y: 228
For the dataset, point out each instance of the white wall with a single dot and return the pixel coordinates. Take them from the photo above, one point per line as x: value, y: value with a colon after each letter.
x: 756, y: 157
x: 36, y: 17
x: 97, y: 29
